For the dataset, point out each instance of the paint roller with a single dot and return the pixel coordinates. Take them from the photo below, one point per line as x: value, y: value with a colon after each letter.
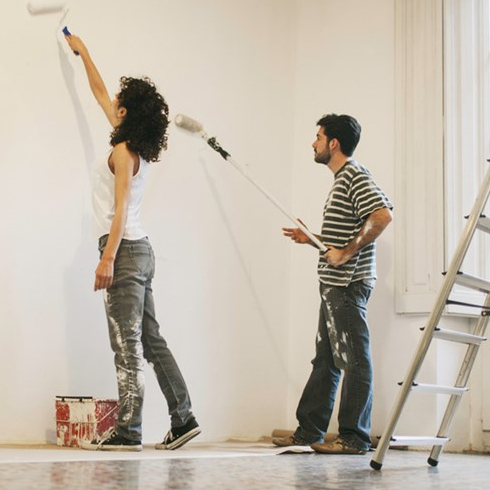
x: 193, y: 126
x: 41, y: 8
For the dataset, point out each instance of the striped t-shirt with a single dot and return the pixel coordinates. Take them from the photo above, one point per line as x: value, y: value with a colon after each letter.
x: 353, y: 197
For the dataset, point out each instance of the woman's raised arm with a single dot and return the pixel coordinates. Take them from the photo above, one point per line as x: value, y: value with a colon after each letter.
x: 96, y: 83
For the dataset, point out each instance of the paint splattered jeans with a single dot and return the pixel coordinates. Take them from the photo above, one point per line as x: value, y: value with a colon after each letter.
x: 342, y: 344
x: 135, y: 335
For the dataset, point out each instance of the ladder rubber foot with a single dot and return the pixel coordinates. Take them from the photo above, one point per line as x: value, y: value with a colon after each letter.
x: 375, y: 465
x: 432, y: 462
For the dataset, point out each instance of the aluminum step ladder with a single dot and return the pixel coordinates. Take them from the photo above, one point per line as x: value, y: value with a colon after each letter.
x: 475, y: 221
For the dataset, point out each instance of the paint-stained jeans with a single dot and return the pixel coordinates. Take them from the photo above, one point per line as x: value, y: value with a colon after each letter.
x: 342, y: 344
x: 135, y: 336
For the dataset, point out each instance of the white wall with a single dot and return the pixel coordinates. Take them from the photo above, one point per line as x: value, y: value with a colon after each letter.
x: 222, y: 264
x: 238, y: 304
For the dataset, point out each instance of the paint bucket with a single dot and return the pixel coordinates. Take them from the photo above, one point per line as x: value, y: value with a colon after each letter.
x: 83, y: 418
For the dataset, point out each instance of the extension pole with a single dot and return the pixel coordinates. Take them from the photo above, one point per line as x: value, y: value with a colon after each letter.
x: 217, y: 147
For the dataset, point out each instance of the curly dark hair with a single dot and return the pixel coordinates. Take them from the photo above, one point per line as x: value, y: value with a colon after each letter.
x: 144, y: 128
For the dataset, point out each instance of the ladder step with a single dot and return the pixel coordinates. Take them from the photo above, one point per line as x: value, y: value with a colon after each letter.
x: 438, y: 389
x: 483, y: 224
x: 418, y: 441
x: 472, y: 282
x: 463, y: 338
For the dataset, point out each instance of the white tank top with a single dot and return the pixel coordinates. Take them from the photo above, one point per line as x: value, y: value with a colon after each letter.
x: 103, y: 198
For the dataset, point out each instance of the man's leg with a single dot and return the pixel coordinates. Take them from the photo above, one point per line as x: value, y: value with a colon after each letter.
x: 357, y: 388
x: 317, y: 401
x: 350, y: 336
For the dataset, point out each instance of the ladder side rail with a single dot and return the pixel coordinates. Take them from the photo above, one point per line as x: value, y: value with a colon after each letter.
x: 453, y: 404
x: 409, y: 379
x: 414, y: 368
x: 434, y: 318
x: 420, y: 353
x: 461, y: 381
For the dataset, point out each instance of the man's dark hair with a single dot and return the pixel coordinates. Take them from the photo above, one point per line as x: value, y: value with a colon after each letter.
x: 343, y: 128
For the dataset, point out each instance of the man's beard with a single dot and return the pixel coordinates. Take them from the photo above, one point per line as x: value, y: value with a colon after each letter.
x: 324, y: 158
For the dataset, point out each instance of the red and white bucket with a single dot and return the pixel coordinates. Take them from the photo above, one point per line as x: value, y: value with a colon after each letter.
x: 83, y: 418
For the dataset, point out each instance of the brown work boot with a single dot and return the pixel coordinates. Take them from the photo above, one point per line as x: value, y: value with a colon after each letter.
x: 337, y: 446
x: 288, y: 441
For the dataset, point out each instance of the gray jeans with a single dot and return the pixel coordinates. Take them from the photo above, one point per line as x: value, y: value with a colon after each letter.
x: 135, y: 335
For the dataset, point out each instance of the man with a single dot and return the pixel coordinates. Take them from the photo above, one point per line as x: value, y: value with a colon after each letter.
x: 355, y: 214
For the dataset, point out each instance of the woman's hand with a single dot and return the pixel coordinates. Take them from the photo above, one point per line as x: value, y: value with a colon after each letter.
x: 104, y: 274
x: 76, y: 45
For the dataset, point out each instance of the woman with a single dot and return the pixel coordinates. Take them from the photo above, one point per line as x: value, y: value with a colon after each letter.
x: 139, y: 117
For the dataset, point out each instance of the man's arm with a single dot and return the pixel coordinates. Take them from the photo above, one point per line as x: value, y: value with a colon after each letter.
x: 374, y: 225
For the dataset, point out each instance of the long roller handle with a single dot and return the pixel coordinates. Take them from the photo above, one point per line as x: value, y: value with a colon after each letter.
x: 193, y: 126
x: 216, y: 146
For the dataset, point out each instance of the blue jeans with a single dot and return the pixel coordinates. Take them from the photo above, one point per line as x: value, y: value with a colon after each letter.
x: 342, y: 344
x: 135, y: 335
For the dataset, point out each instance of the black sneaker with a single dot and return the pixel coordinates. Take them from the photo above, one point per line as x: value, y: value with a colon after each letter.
x: 113, y: 442
x: 177, y: 437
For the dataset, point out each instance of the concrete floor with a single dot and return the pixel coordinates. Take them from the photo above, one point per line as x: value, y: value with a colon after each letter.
x: 235, y: 466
